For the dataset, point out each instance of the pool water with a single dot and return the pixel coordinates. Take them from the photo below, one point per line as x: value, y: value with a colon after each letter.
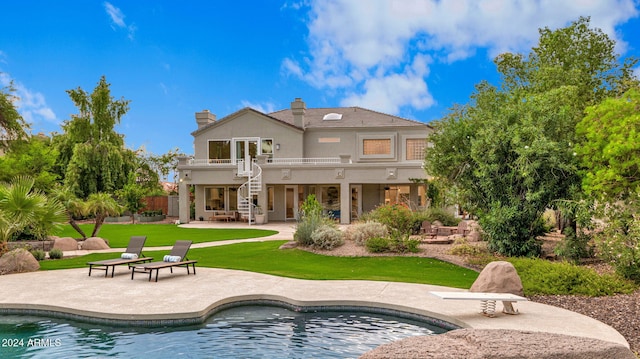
x: 240, y: 332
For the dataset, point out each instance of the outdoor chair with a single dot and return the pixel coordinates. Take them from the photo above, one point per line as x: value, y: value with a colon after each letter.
x: 176, y: 258
x: 132, y: 255
x: 463, y: 228
x: 426, y: 229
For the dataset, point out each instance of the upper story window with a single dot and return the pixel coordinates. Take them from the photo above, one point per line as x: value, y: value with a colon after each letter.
x: 376, y: 146
x: 415, y: 149
x: 266, y: 147
x: 219, y: 149
x: 371, y: 146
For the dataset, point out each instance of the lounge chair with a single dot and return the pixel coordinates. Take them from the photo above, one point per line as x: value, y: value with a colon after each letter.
x: 132, y: 255
x: 176, y: 258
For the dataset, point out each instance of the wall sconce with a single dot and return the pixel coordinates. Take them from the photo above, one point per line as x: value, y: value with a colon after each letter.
x: 277, y: 147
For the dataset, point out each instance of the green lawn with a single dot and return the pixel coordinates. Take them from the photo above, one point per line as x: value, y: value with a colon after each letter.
x: 265, y: 257
x: 163, y: 234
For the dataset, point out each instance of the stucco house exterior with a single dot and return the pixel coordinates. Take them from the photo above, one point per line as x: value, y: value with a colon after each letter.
x: 353, y: 159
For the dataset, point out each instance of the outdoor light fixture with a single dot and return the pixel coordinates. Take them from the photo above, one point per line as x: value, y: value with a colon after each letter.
x: 277, y: 146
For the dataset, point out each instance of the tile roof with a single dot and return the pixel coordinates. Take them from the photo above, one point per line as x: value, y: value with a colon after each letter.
x: 351, y: 117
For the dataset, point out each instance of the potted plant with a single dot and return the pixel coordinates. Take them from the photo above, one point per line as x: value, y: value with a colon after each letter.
x: 259, y: 215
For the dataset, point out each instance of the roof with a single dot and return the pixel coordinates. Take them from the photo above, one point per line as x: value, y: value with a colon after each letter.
x: 351, y: 117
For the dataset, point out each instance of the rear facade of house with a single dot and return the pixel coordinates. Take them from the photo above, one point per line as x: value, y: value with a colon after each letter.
x: 261, y: 166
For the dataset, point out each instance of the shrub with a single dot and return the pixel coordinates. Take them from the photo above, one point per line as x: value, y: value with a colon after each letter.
x: 363, y: 231
x: 378, y: 245
x: 574, y: 246
x: 543, y: 277
x: 55, y: 253
x: 310, y: 219
x: 440, y: 214
x: 38, y: 254
x: 327, y: 237
x: 619, y: 243
x: 461, y: 247
x: 395, y: 217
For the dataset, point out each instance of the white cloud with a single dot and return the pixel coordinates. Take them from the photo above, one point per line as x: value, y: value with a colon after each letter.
x: 369, y: 50
x: 117, y: 17
x: 31, y: 105
x: 266, y: 107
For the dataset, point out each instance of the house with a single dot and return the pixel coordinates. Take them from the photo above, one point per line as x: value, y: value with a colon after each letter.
x: 351, y: 158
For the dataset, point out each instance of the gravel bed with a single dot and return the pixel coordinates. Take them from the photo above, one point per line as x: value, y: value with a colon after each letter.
x: 622, y: 311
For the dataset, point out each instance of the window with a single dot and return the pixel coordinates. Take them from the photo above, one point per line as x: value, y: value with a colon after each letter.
x: 214, y: 198
x: 376, y: 146
x: 329, y: 140
x: 415, y: 149
x: 332, y: 117
x: 267, y: 147
x: 219, y: 150
x: 270, y: 199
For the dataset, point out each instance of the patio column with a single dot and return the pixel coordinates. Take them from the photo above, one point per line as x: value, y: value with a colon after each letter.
x: 345, y: 202
x: 184, y: 208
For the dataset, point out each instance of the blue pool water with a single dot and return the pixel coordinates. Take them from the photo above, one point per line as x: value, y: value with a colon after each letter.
x: 240, y: 332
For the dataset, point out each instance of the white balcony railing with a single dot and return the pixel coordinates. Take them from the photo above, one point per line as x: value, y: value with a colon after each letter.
x: 275, y: 161
x: 304, y: 161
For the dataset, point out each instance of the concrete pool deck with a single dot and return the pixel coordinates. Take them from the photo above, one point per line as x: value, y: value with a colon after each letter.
x: 179, y: 296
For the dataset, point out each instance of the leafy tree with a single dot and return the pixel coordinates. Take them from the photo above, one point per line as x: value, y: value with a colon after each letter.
x: 33, y: 157
x: 101, y: 206
x: 509, y: 151
x: 610, y: 148
x: 164, y: 164
x: 12, y: 125
x: 132, y: 195
x: 92, y: 154
x: 26, y: 212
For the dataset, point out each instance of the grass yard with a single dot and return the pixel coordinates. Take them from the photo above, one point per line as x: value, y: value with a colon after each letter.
x: 266, y: 257
x: 118, y: 235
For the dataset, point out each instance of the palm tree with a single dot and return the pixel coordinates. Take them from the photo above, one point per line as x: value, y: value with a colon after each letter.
x: 102, y: 205
x: 73, y: 205
x: 24, y: 209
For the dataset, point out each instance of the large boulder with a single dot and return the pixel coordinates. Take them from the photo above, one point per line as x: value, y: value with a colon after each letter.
x: 94, y: 243
x: 498, y: 277
x: 65, y: 244
x: 18, y: 261
x: 500, y: 343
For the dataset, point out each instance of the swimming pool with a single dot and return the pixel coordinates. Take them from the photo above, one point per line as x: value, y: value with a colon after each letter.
x: 240, y: 332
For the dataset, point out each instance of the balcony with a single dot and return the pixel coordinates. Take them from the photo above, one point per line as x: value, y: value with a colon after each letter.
x: 268, y: 161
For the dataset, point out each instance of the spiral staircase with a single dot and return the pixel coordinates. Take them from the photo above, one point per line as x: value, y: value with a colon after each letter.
x: 249, y: 190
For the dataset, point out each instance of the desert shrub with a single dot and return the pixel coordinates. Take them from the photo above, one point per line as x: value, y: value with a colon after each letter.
x: 619, y: 244
x: 378, y: 245
x: 461, y: 247
x: 543, y: 277
x: 574, y: 246
x: 396, y: 243
x: 440, y: 214
x: 327, y: 237
x: 310, y: 219
x: 38, y: 254
x: 395, y: 217
x: 55, y: 253
x: 361, y: 232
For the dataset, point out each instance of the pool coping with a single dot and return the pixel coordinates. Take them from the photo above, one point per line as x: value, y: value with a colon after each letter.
x: 181, y: 299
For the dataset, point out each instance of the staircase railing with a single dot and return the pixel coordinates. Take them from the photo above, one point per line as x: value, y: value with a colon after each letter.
x: 247, y: 190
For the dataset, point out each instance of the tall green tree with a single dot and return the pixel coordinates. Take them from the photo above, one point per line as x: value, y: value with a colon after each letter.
x: 509, y: 151
x: 34, y: 157
x: 93, y: 157
x: 12, y: 125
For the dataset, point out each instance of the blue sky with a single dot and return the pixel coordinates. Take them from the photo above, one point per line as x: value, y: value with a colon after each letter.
x: 412, y: 58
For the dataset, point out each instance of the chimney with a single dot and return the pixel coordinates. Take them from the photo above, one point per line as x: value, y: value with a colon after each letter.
x: 204, y: 118
x: 298, y: 108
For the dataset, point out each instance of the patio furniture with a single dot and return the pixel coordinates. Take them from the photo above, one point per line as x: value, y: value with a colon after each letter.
x: 427, y: 229
x: 132, y: 255
x: 176, y: 258
x: 463, y: 228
